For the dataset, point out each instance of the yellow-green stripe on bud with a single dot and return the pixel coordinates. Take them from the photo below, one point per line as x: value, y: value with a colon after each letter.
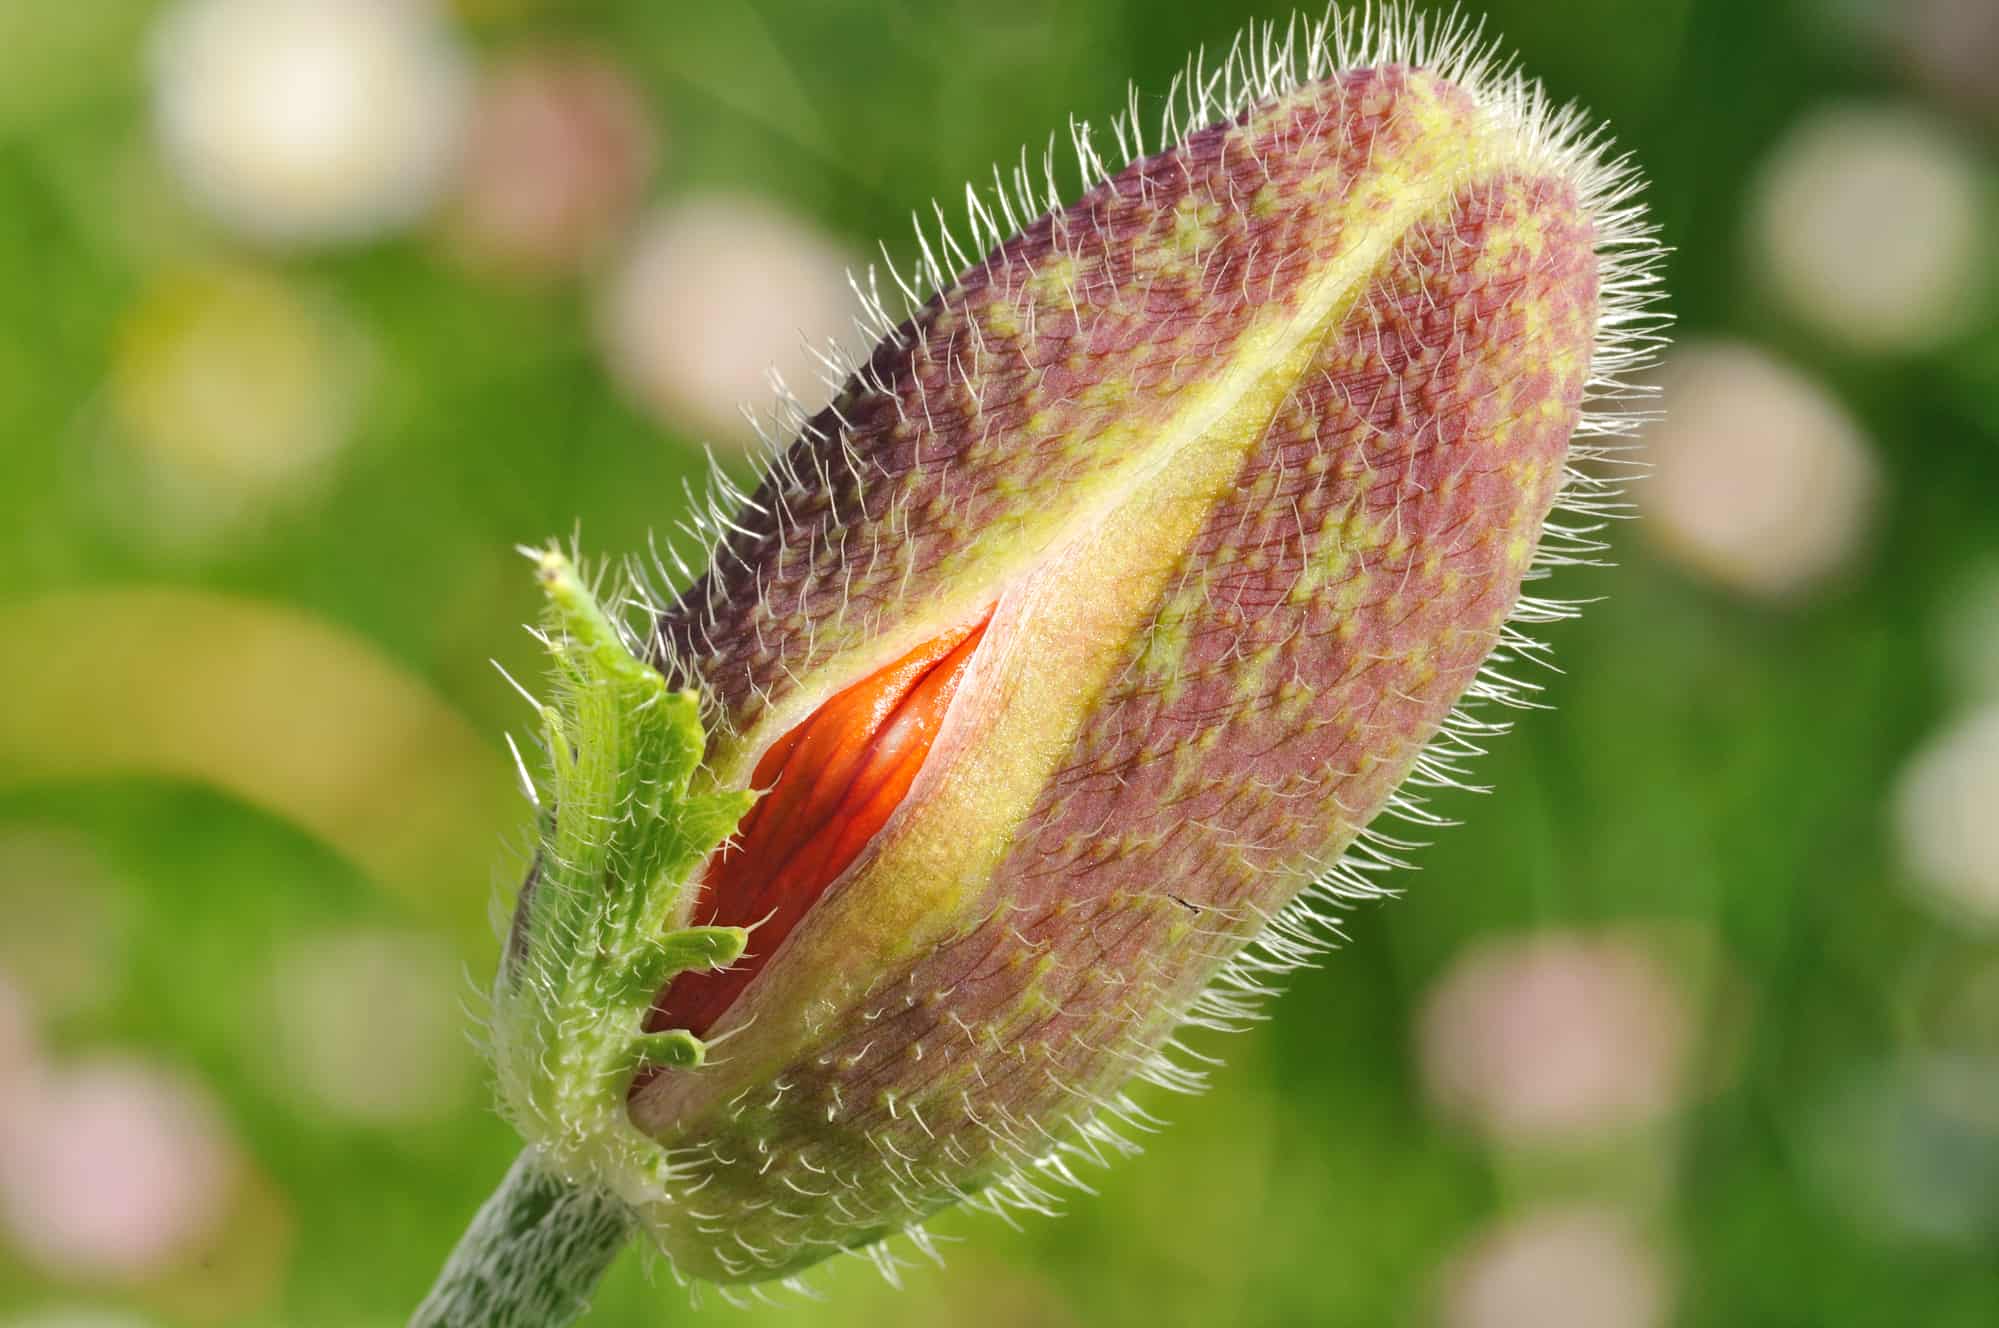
x: 1114, y: 594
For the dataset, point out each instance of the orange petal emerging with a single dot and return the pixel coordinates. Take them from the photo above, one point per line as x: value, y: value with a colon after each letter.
x: 830, y: 783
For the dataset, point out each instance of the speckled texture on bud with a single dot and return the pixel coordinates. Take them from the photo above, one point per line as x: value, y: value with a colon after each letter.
x: 1240, y: 460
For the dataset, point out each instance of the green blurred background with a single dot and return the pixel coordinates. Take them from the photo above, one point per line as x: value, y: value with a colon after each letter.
x: 310, y: 310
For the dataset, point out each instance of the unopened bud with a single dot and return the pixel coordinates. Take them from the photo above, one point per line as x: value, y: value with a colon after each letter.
x: 1088, y: 628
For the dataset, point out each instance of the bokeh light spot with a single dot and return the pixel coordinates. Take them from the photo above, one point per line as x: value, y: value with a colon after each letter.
x: 113, y: 1168
x: 1553, y: 1034
x: 1760, y: 479
x: 559, y: 150
x: 712, y: 295
x: 309, y: 121
x: 1870, y: 223
x: 233, y: 389
x: 368, y: 1027
x: 1944, y: 816
x: 1572, y: 1267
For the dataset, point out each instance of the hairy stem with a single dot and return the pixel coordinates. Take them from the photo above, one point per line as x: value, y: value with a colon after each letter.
x: 531, y: 1257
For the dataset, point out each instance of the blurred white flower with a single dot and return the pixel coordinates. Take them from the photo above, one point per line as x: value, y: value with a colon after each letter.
x: 712, y: 294
x: 1760, y: 480
x: 113, y: 1168
x: 231, y: 387
x: 1547, y: 1035
x: 1870, y: 222
x: 68, y: 922
x: 557, y: 156
x: 309, y: 121
x: 1572, y: 1267
x: 369, y: 1027
x: 1944, y: 806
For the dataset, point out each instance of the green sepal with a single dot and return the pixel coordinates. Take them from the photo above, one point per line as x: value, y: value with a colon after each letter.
x: 705, y: 947
x: 674, y: 1049
x: 689, y: 948
x: 627, y: 817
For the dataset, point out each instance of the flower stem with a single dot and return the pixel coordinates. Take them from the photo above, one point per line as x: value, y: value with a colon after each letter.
x: 531, y: 1257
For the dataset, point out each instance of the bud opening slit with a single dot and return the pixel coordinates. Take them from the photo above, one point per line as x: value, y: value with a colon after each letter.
x: 829, y: 785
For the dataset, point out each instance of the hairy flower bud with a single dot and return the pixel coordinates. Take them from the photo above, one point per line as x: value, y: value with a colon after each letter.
x: 1090, y: 625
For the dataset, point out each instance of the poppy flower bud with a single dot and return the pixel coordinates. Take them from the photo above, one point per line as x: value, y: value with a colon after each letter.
x: 1070, y: 651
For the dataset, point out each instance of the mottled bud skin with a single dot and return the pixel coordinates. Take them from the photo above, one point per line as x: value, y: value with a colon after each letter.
x: 1247, y: 453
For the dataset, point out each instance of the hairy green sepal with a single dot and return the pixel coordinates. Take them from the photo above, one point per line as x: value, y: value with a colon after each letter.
x: 626, y: 819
